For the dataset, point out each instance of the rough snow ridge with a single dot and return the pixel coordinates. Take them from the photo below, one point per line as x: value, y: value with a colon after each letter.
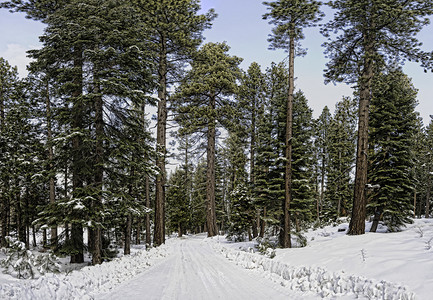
x: 316, y: 280
x: 85, y: 283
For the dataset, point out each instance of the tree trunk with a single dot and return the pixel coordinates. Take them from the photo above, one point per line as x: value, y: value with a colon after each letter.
x: 263, y: 224
x: 3, y: 197
x: 322, y: 181
x: 180, y: 230
x: 20, y: 222
x: 210, y: 175
x: 127, y: 245
x: 44, y: 238
x: 34, y: 235
x: 252, y: 161
x: 414, y: 203
x: 77, y: 240
x: 285, y: 236
x: 376, y: 219
x: 53, y: 240
x: 357, y: 222
x: 427, y: 199
x: 159, y: 230
x: 77, y: 157
x: 99, y: 172
x: 148, y: 237
x: 138, y: 232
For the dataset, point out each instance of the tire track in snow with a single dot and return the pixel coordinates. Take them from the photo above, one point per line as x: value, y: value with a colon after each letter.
x: 195, y: 271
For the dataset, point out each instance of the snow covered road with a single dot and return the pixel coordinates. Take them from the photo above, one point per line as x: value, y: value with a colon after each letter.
x: 195, y: 271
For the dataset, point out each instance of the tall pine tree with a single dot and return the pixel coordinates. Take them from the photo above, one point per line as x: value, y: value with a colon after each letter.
x: 364, y: 36
x: 290, y: 17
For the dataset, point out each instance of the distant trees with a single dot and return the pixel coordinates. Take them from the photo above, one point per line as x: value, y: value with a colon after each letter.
x: 175, y: 29
x: 205, y: 102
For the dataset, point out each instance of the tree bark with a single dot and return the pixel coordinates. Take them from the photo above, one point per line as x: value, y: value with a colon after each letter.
x: 263, y: 223
x: 427, y: 199
x: 3, y: 189
x: 148, y: 236
x: 376, y: 219
x: 53, y: 240
x: 159, y: 230
x: 77, y: 157
x: 357, y: 222
x: 99, y: 172
x: 128, y: 227
x: 252, y: 162
x: 210, y: 175
x: 285, y: 236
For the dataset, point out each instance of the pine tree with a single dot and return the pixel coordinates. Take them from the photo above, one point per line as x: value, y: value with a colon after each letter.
x: 290, y: 18
x: 204, y: 102
x: 198, y: 199
x: 322, y: 146
x: 240, y: 200
x: 269, y: 191
x: 392, y: 129
x: 420, y: 169
x: 251, y: 98
x: 303, y: 191
x: 341, y: 152
x: 176, y: 29
x: 428, y: 167
x: 177, y: 202
x: 364, y: 36
x: 8, y: 85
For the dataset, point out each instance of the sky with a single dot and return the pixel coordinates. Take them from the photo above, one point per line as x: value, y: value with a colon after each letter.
x: 240, y: 24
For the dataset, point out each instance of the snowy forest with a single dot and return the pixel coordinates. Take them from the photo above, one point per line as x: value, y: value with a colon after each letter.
x: 130, y: 129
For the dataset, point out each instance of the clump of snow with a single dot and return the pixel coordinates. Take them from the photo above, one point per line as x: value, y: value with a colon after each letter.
x: 378, y: 265
x: 315, y: 280
x: 84, y: 283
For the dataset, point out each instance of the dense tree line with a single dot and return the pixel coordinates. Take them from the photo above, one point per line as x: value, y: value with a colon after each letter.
x: 78, y: 156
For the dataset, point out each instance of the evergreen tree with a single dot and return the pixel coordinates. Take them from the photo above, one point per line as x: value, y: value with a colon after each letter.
x: 177, y: 202
x: 204, y: 101
x: 392, y: 129
x: 364, y: 36
x: 303, y: 191
x: 251, y: 98
x: 241, y: 208
x: 269, y: 191
x: 341, y: 152
x: 420, y: 169
x: 290, y: 18
x: 176, y: 30
x: 428, y: 167
x: 198, y: 199
x: 8, y: 85
x: 322, y: 146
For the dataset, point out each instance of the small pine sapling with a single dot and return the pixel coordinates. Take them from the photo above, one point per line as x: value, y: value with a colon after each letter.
x: 18, y: 261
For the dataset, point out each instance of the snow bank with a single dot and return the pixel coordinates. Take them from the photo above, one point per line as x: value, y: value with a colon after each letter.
x: 85, y: 283
x: 315, y: 280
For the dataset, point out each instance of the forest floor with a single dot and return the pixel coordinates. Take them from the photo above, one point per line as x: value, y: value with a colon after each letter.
x: 333, y: 265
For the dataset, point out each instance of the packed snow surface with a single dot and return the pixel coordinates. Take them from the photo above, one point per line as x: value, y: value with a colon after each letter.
x: 195, y: 271
x: 332, y: 266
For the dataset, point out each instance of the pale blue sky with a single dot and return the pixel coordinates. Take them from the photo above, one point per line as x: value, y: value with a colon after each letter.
x: 240, y: 24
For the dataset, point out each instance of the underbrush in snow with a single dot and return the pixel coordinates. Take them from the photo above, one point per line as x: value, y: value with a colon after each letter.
x: 22, y: 263
x: 84, y: 283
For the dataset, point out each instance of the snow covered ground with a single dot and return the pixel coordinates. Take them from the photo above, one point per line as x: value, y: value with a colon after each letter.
x: 332, y: 266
